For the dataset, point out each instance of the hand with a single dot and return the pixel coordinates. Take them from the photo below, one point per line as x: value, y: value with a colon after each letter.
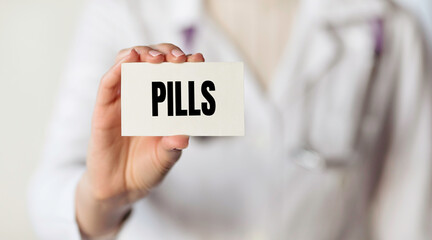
x: 121, y: 170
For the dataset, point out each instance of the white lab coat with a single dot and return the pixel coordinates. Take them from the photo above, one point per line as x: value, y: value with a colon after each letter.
x: 365, y: 119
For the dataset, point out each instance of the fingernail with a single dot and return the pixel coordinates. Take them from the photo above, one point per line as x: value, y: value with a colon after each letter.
x: 177, y: 53
x: 154, y: 53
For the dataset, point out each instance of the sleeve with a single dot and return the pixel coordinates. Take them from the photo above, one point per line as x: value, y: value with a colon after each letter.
x: 51, y: 194
x: 403, y: 206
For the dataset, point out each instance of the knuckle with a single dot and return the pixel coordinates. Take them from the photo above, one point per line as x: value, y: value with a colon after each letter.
x: 142, y: 49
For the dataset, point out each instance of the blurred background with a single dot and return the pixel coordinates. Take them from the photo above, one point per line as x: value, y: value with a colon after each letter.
x: 34, y: 40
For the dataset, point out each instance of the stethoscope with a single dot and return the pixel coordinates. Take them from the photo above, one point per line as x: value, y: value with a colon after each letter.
x: 306, y: 154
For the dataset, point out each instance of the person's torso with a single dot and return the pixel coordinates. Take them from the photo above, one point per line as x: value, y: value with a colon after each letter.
x: 303, y: 170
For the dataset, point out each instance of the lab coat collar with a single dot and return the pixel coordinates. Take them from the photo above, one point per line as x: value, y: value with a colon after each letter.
x: 186, y: 13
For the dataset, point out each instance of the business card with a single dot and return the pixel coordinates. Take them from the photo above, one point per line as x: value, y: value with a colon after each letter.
x: 196, y: 99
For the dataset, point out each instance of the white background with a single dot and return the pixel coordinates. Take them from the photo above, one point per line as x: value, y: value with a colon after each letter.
x: 34, y: 39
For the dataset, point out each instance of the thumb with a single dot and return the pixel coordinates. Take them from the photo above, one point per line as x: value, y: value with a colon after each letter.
x: 170, y: 149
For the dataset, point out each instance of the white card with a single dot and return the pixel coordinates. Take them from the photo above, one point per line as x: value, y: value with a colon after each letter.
x: 196, y: 99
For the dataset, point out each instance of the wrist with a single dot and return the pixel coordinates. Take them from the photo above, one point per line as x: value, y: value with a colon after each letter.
x: 98, y: 216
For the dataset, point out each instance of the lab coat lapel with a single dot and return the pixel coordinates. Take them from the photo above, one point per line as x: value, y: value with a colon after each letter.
x: 296, y: 68
x: 316, y: 45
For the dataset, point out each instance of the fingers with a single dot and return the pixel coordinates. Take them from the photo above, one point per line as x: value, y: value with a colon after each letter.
x: 160, y: 53
x: 148, y: 54
x: 172, y: 53
x: 152, y: 54
x: 110, y: 81
x: 122, y: 53
x: 197, y: 57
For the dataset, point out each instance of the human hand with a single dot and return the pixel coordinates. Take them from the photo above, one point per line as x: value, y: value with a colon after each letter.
x: 121, y: 170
